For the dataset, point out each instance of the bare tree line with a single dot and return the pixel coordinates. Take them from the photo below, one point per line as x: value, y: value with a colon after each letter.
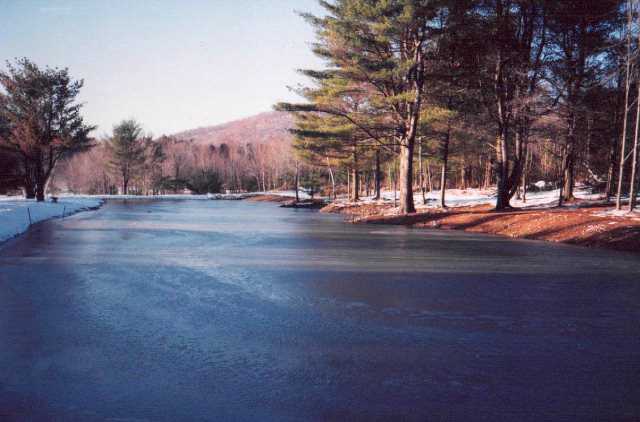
x: 172, y: 165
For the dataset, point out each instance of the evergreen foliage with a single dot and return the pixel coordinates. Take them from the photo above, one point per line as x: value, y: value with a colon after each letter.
x: 40, y: 121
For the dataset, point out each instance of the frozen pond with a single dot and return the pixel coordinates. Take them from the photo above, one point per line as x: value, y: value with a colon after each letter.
x: 217, y: 310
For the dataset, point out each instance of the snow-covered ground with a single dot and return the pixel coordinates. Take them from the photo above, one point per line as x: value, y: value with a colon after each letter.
x: 472, y: 197
x: 16, y: 214
x: 623, y: 213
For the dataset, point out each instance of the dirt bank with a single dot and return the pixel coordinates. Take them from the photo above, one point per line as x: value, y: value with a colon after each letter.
x: 268, y: 198
x: 594, y: 226
x: 288, y: 202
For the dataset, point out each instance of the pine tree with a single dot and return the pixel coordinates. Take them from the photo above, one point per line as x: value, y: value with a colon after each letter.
x: 127, y: 149
x: 328, y: 135
x: 381, y: 47
x: 42, y: 121
x: 579, y: 31
x: 510, y: 69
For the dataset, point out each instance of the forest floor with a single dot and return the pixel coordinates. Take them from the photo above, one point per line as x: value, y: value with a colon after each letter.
x: 585, y: 222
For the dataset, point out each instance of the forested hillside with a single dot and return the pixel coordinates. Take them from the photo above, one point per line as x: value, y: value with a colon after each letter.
x: 263, y: 128
x: 246, y: 155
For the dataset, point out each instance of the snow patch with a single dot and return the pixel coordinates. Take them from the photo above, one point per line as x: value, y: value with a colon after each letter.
x: 16, y: 214
x: 624, y: 213
x: 286, y: 193
x: 473, y: 197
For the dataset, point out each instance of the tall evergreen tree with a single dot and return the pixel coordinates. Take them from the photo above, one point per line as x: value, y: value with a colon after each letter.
x: 382, y: 46
x: 329, y: 132
x: 452, y: 78
x: 512, y: 68
x: 579, y: 33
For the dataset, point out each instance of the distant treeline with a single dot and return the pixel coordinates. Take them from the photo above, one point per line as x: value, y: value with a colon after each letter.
x: 140, y: 165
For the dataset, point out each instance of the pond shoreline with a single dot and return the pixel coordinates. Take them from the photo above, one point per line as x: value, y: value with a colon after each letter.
x: 581, y: 224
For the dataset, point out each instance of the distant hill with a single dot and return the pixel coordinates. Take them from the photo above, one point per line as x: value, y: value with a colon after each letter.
x: 262, y: 128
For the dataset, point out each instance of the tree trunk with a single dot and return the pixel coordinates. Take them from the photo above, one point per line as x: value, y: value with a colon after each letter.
x: 367, y: 183
x: 297, y: 177
x: 623, y: 142
x: 333, y: 180
x: 40, y: 179
x: 502, y: 171
x: 355, y: 177
x: 29, y: 184
x: 463, y: 175
x: 348, y: 184
x: 502, y: 157
x: 486, y: 182
x: 29, y: 191
x: 421, y: 172
x: 40, y: 187
x: 40, y: 192
x: 395, y: 185
x: 443, y: 184
x: 563, y: 174
x: 613, y: 147
x: 568, y: 163
x: 569, y: 177
x: 634, y: 162
x: 377, y: 175
x: 406, y: 177
x: 525, y: 174
x: 445, y: 164
x: 355, y: 188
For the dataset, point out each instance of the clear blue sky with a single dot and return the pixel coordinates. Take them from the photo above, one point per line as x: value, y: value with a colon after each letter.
x: 170, y: 64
